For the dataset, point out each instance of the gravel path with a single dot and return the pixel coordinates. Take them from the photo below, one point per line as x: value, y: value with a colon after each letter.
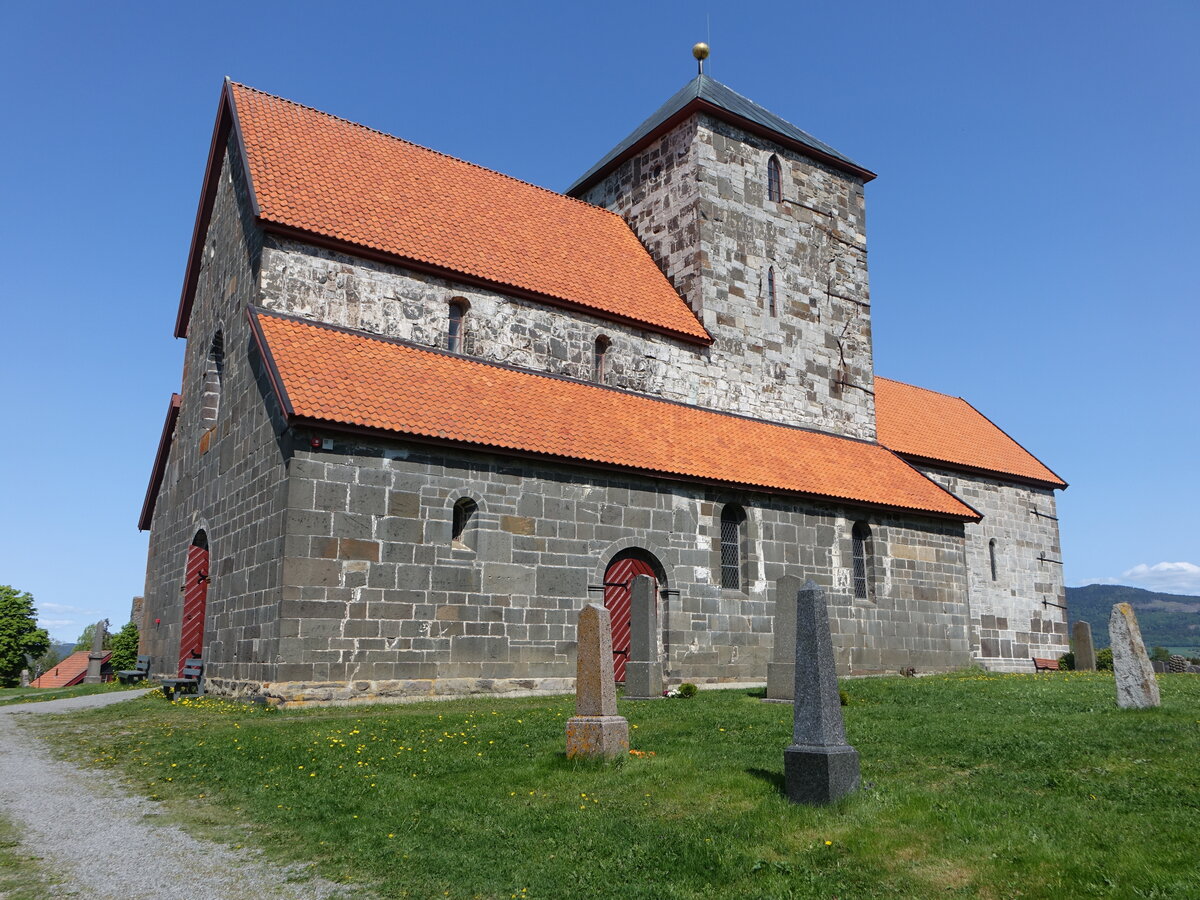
x: 105, y: 845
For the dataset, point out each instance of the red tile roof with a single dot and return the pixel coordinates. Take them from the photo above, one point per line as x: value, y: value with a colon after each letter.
x: 924, y: 424
x: 329, y: 375
x: 325, y: 176
x: 70, y: 671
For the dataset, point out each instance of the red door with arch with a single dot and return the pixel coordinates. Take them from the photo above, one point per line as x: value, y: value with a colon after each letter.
x: 618, y: 591
x: 195, y: 599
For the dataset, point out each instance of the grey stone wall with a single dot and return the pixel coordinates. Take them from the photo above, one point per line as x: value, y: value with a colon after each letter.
x: 1009, y: 621
x: 377, y: 601
x: 697, y: 198
x: 225, y: 477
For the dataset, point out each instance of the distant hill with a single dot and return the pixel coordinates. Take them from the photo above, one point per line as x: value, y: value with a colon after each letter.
x: 1166, y: 620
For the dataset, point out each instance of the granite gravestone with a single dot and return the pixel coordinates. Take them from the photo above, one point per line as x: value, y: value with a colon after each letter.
x: 819, y: 766
x: 643, y: 672
x: 1134, y: 675
x: 781, y: 670
x: 97, y: 654
x: 1159, y: 667
x: 1085, y: 652
x: 24, y: 678
x: 595, y: 729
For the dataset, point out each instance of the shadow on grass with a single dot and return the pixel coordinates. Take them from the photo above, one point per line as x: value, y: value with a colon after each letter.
x: 775, y: 779
x: 757, y: 693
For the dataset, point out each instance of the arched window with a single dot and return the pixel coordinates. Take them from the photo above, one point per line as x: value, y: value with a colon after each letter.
x: 992, y: 556
x: 771, y: 306
x: 464, y: 514
x: 214, y: 371
x: 774, y: 180
x: 456, y: 325
x: 860, y: 537
x: 600, y: 359
x: 733, y: 518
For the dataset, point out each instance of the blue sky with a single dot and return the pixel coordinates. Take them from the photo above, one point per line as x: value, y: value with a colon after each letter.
x: 1032, y: 231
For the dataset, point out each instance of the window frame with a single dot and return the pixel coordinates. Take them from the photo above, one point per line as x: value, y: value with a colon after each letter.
x: 731, y: 548
x: 774, y: 179
x: 862, y: 552
x: 456, y: 324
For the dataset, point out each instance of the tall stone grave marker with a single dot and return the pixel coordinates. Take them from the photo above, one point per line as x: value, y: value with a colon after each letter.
x: 1136, y: 685
x: 1085, y: 653
x: 595, y: 729
x: 781, y: 670
x: 24, y: 678
x: 96, y: 656
x: 643, y: 672
x: 819, y: 766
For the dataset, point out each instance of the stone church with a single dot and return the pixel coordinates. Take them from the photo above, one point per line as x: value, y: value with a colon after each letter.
x: 428, y: 411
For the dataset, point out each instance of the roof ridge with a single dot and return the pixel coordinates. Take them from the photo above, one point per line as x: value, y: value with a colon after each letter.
x: 917, y: 387
x: 440, y: 153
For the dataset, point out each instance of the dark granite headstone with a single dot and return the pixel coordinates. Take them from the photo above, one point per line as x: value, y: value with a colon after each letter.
x: 1085, y: 652
x: 1160, y: 667
x: 781, y: 670
x: 643, y: 672
x: 819, y: 766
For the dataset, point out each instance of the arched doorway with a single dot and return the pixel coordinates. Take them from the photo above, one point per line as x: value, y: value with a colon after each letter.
x: 618, y: 589
x: 195, y: 600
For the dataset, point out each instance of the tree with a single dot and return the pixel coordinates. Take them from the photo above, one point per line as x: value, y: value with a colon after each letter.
x: 1104, y: 660
x: 124, y: 645
x: 1162, y: 654
x: 85, y: 639
x: 19, y: 633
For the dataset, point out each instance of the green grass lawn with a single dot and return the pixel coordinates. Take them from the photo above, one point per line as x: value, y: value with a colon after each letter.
x: 22, y: 876
x: 974, y: 785
x: 9, y: 696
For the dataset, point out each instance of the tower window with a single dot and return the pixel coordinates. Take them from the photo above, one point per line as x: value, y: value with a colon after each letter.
x: 464, y: 513
x: 771, y: 306
x: 214, y: 371
x: 992, y: 556
x: 860, y: 538
x: 732, y: 520
x: 600, y: 359
x: 454, y: 331
x: 774, y: 180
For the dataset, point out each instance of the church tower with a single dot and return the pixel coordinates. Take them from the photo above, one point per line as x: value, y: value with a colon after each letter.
x: 761, y: 228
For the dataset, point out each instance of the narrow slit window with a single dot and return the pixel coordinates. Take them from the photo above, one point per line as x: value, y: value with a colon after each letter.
x: 214, y: 372
x: 600, y: 359
x: 454, y: 331
x: 861, y: 541
x: 992, y: 556
x: 464, y: 512
x: 732, y: 519
x: 774, y: 180
x: 771, y: 306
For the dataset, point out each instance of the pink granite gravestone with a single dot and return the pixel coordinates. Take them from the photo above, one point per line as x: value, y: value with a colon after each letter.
x: 595, y: 730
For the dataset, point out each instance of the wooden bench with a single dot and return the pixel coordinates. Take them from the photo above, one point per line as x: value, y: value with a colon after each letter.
x: 140, y: 673
x: 190, y: 680
x: 1044, y: 665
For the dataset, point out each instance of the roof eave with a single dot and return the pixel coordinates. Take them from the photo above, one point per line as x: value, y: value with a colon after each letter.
x: 227, y: 121
x: 300, y: 421
x: 698, y: 104
x: 358, y: 250
x: 161, y: 456
x: 997, y: 474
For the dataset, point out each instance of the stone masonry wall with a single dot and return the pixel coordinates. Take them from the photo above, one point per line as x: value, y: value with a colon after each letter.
x: 1009, y: 623
x: 378, y: 602
x: 224, y: 476
x: 697, y: 198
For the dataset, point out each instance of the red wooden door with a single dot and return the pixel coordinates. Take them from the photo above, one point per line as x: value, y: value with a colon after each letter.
x: 618, y: 590
x: 195, y: 598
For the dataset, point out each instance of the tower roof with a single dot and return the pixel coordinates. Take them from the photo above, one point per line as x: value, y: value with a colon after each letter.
x: 707, y: 94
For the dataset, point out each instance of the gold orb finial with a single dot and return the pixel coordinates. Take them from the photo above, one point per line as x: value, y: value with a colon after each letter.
x: 700, y: 51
